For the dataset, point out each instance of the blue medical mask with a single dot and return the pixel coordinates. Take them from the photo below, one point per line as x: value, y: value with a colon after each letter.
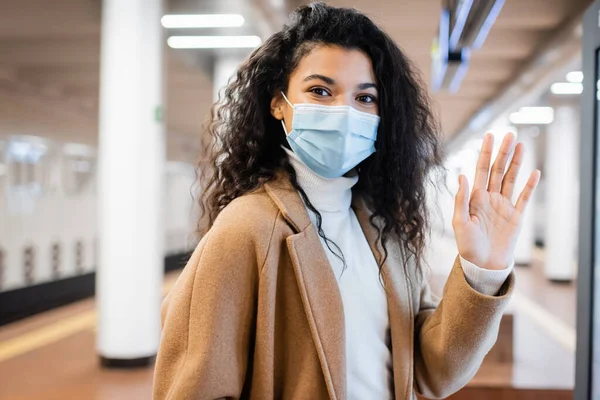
x: 331, y: 140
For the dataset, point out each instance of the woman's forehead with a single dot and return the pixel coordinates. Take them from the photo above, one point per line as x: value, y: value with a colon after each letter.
x: 341, y: 64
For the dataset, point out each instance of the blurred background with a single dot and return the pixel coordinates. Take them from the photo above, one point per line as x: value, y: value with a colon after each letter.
x: 102, y: 105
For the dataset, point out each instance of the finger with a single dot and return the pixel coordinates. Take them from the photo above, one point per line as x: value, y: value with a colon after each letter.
x: 483, y: 164
x: 508, y: 183
x: 525, y: 195
x: 461, y: 203
x: 500, y: 163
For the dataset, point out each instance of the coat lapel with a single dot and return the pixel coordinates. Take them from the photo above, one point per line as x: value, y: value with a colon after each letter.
x: 399, y: 301
x: 318, y: 287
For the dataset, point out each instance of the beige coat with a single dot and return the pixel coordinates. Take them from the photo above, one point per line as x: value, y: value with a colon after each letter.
x: 257, y: 314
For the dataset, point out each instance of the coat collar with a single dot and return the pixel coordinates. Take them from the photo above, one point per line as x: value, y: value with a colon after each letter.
x: 293, y: 210
x: 318, y: 286
x: 287, y: 199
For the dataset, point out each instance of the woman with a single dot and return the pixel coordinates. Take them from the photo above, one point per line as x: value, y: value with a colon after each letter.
x: 309, y: 282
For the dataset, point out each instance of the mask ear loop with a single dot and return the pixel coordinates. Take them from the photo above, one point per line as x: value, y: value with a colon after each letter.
x: 291, y: 105
x: 286, y: 99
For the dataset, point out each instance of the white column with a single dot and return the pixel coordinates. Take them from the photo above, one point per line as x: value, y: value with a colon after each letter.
x: 526, y: 242
x: 224, y: 68
x: 131, y: 174
x: 562, y: 193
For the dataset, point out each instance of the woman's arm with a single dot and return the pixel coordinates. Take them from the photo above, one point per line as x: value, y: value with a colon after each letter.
x: 452, y: 339
x: 451, y: 342
x: 209, y: 315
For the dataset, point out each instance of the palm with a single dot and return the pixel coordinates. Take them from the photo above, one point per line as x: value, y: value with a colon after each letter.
x: 487, y: 226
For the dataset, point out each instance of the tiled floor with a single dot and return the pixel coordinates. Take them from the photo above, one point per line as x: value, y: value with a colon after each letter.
x: 52, y: 356
x: 68, y: 369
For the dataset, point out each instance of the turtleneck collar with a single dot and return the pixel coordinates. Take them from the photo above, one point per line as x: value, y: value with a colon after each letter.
x: 325, y: 194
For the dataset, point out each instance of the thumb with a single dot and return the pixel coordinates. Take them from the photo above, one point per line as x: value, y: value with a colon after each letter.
x: 461, y: 202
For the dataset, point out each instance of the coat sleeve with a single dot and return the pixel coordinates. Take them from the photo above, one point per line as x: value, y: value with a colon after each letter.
x: 208, y: 319
x: 453, y: 337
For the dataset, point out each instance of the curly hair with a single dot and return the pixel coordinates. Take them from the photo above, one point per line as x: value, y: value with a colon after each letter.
x: 243, y: 144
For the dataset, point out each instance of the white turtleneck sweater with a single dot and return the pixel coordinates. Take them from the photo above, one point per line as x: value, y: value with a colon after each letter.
x: 368, y: 341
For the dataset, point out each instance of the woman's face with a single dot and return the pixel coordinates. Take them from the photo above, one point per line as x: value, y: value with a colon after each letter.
x: 333, y: 76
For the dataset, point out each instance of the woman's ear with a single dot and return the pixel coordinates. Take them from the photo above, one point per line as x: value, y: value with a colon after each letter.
x: 277, y: 107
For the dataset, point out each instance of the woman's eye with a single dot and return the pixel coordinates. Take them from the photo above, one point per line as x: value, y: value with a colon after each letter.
x: 320, y: 91
x: 366, y: 98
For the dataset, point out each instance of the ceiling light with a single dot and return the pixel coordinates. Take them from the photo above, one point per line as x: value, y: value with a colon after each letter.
x: 575, y: 77
x: 566, y: 88
x: 213, y: 42
x: 202, y: 21
x: 448, y: 66
x: 26, y: 150
x: 78, y: 150
x: 472, y: 22
x: 533, y: 115
x: 487, y: 24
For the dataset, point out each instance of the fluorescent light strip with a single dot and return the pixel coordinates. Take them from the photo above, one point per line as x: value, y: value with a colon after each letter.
x: 444, y: 32
x: 487, y: 25
x: 213, y: 42
x: 458, y: 78
x: 460, y: 72
x: 566, y: 88
x: 536, y: 110
x: 459, y: 25
x: 533, y: 115
x: 440, y: 56
x: 78, y: 149
x: 202, y: 21
x: 575, y: 77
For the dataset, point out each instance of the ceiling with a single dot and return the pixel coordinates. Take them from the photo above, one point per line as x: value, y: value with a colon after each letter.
x: 49, y: 60
x: 521, y: 28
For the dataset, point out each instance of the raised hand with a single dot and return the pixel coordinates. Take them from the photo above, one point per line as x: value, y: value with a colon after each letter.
x: 487, y: 225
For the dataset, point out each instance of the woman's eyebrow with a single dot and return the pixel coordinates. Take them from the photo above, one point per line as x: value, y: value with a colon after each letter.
x: 331, y: 81
x: 369, y: 85
x: 323, y: 78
